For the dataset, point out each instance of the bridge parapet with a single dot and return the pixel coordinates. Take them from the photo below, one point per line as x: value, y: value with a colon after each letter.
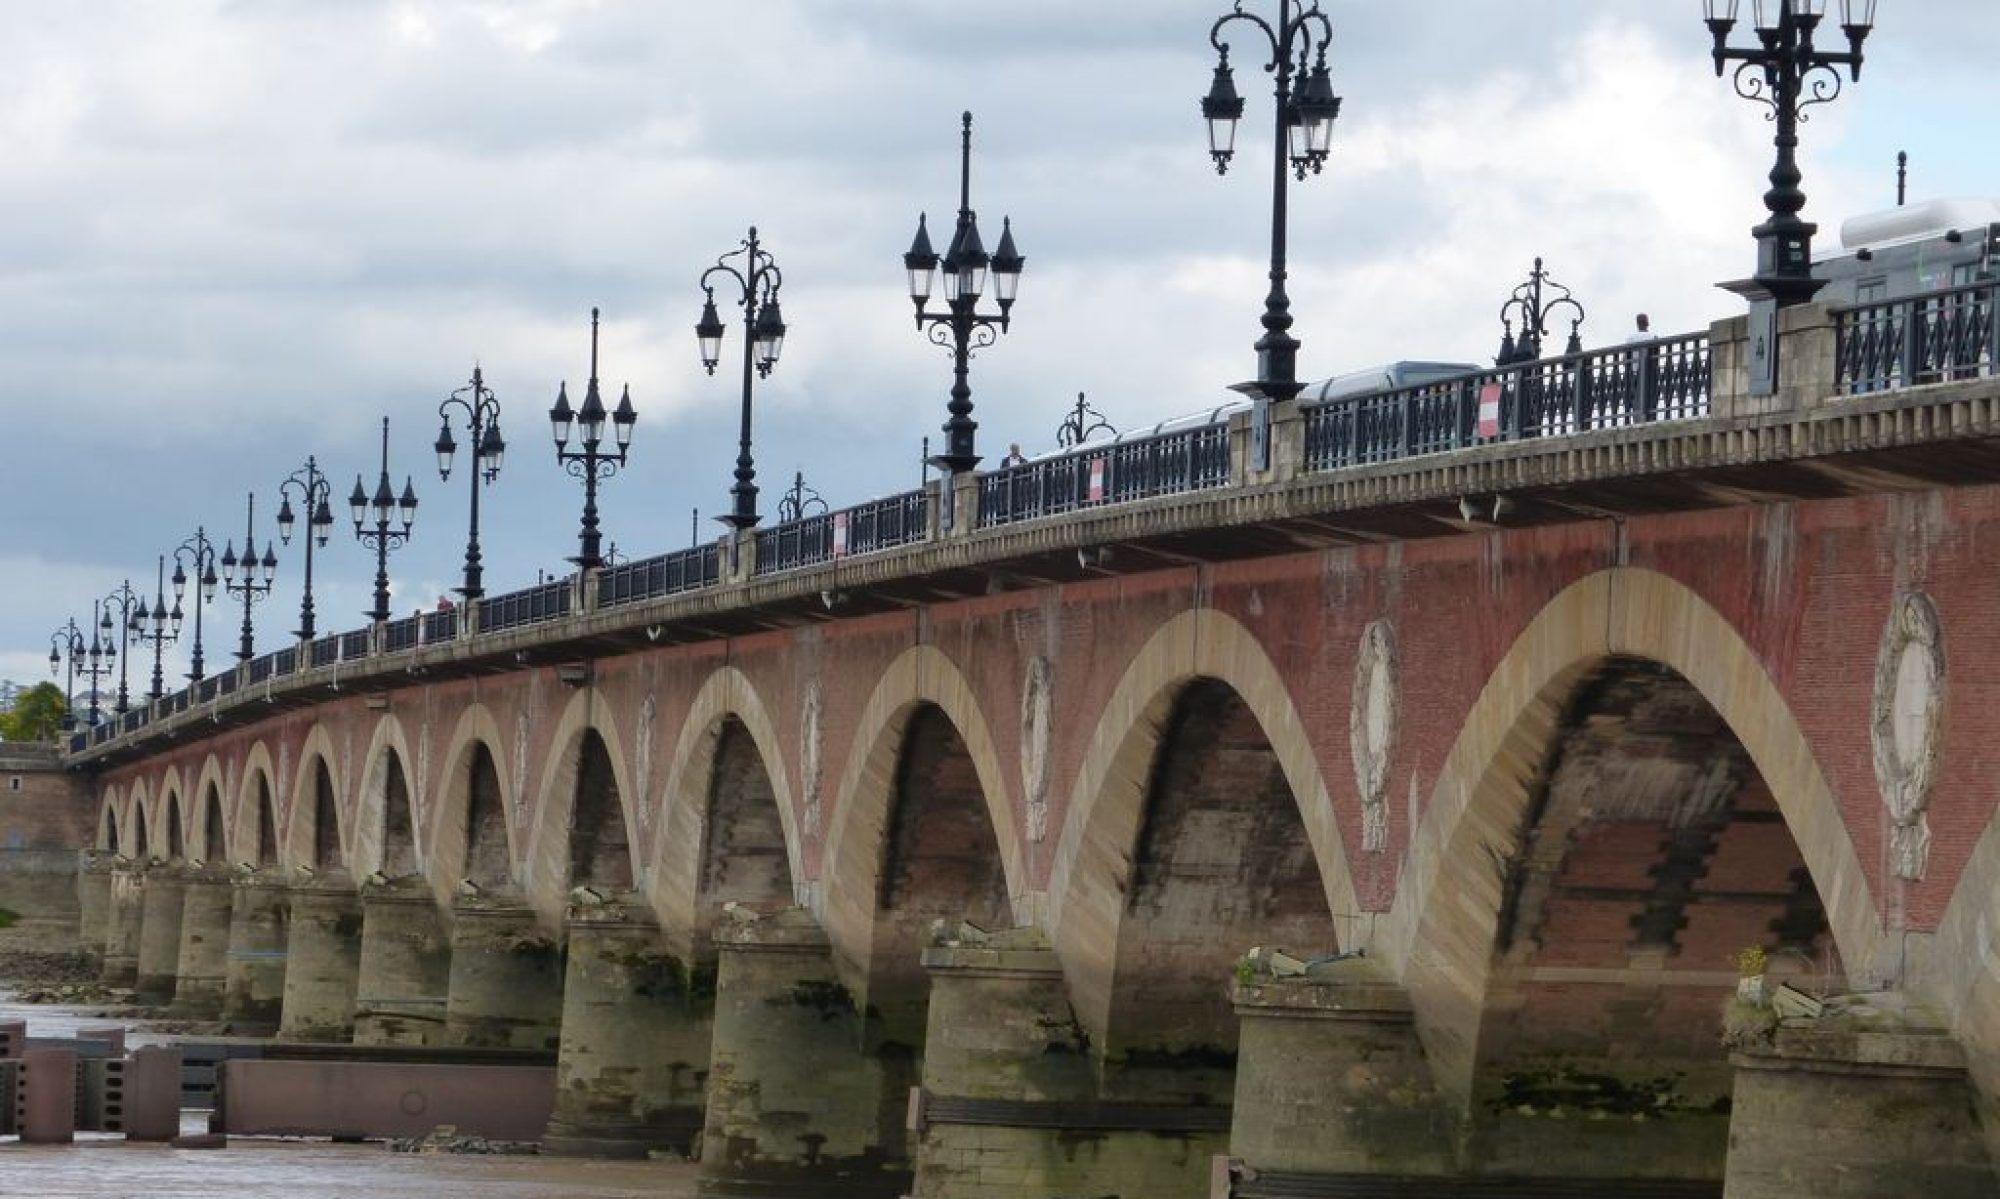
x: 1644, y: 426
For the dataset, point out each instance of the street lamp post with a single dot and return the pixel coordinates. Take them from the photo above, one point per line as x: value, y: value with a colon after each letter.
x: 758, y: 280
x: 591, y: 462
x: 1082, y: 423
x: 482, y: 422
x: 962, y: 328
x: 157, y: 627
x: 1788, y: 73
x: 258, y: 574
x: 1532, y: 303
x: 1304, y: 119
x: 128, y: 605
x: 315, y: 495
x: 381, y: 510
x: 799, y: 501
x: 97, y: 659
x: 199, y: 553
x: 66, y: 645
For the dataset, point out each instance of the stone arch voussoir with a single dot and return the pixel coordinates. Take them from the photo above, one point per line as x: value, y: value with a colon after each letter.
x: 295, y: 848
x: 446, y: 844
x: 546, y: 876
x: 370, y: 819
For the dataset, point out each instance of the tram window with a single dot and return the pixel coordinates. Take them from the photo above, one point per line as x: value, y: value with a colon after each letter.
x: 1871, y: 291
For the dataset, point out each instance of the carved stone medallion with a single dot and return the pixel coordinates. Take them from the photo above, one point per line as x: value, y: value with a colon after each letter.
x: 1372, y: 730
x: 1907, y: 726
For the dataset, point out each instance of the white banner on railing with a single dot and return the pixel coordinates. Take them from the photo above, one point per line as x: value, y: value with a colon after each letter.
x: 1096, y: 492
x: 839, y: 534
x: 1489, y: 410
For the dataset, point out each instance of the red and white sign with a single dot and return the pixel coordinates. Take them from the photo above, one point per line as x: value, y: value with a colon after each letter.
x: 839, y: 534
x: 1096, y: 492
x: 1489, y: 411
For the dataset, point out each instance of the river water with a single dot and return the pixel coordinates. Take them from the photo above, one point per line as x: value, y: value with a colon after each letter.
x: 103, y: 1166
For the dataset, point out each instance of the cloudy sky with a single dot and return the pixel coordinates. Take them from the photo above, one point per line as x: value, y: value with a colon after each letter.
x: 237, y: 232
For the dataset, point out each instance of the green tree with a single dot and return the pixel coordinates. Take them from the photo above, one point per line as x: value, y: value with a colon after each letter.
x: 36, y: 715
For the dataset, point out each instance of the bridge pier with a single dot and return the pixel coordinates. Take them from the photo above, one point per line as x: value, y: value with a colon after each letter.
x: 795, y: 1108
x: 506, y: 978
x: 1841, y: 1111
x: 93, y: 904
x: 1009, y: 1107
x: 636, y: 1026
x: 123, y: 920
x: 202, y: 966
x: 254, y: 985
x: 322, y: 961
x: 1332, y: 1087
x: 164, y: 898
x: 404, y: 971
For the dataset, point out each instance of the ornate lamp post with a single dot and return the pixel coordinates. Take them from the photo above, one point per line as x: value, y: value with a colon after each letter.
x: 66, y: 645
x: 128, y: 605
x: 1533, y: 307
x: 257, y: 574
x: 97, y: 659
x: 1789, y: 74
x: 1082, y: 423
x: 157, y: 627
x: 315, y: 492
x: 199, y: 553
x: 799, y: 501
x: 381, y: 510
x: 962, y: 328
x: 758, y: 278
x: 482, y: 422
x: 1304, y: 117
x: 591, y: 462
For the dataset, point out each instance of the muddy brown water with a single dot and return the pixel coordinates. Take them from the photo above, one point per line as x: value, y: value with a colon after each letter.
x: 104, y: 1167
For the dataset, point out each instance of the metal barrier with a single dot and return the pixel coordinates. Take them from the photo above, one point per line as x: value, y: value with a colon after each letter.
x: 285, y: 661
x: 1113, y: 472
x: 1937, y: 337
x: 666, y: 574
x: 531, y: 605
x: 440, y: 626
x: 1642, y: 383
x: 354, y: 645
x: 260, y: 667
x: 863, y: 529
x: 326, y: 651
x: 399, y: 635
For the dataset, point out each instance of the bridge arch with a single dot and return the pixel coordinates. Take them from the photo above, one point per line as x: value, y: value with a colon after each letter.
x: 1966, y: 956
x: 1088, y: 880
x: 1439, y: 937
x: 107, y: 821
x: 136, y: 822
x: 680, y: 853
x: 856, y: 847
x: 586, y: 760
x: 452, y: 838
x: 207, y: 825
x: 387, y: 831
x: 255, y: 820
x: 317, y: 791
x: 169, y: 815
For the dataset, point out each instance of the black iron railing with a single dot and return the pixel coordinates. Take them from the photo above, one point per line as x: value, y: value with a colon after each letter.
x: 666, y: 574
x: 326, y: 650
x: 1642, y: 383
x: 863, y: 529
x: 132, y: 720
x: 285, y: 661
x: 530, y: 605
x: 1937, y: 337
x: 207, y: 689
x: 1113, y: 472
x: 439, y: 626
x: 260, y: 668
x: 354, y: 645
x: 399, y: 635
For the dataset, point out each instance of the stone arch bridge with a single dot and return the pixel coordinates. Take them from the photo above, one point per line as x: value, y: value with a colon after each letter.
x: 940, y: 868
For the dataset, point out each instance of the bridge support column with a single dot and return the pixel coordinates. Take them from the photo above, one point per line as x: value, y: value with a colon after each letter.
x: 1836, y: 1111
x: 1009, y: 1108
x: 506, y: 978
x: 405, y: 966
x: 254, y: 981
x: 93, y: 904
x: 165, y: 897
x: 203, y: 964
x: 123, y: 920
x: 322, y: 963
x: 795, y: 1109
x: 1332, y: 1087
x: 636, y: 1025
